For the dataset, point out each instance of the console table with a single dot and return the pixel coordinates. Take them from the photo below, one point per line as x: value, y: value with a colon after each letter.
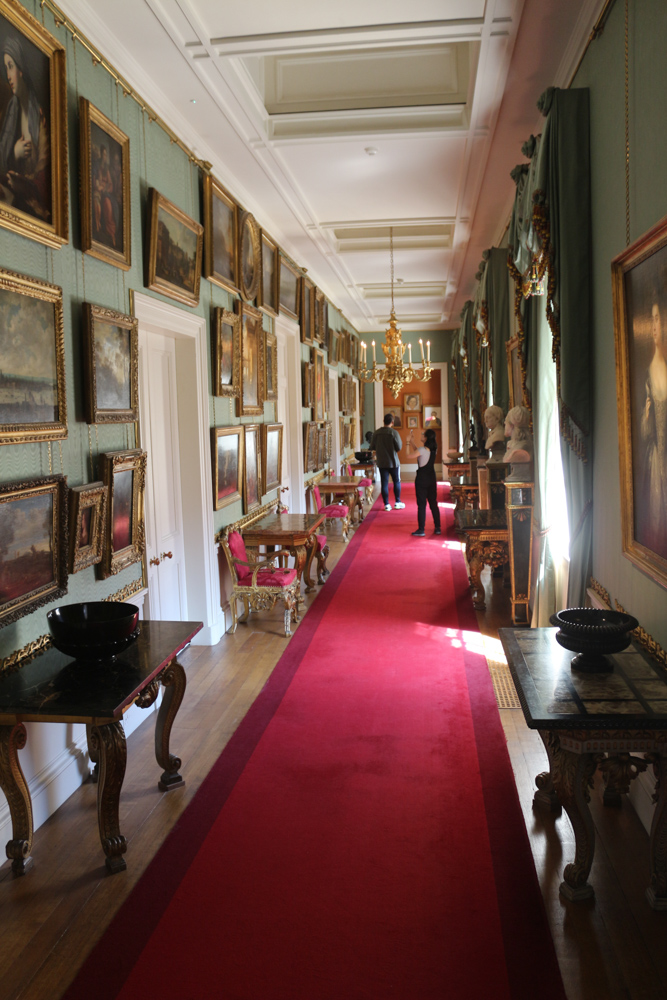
x: 55, y: 688
x: 588, y: 721
x: 296, y: 532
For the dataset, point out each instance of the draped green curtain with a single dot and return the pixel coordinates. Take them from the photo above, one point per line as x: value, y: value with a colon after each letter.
x: 480, y: 332
x: 470, y: 388
x: 496, y: 307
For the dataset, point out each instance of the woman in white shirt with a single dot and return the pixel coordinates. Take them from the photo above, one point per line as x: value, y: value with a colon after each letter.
x: 426, y: 485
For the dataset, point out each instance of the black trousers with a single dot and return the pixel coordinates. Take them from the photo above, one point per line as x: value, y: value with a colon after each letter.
x: 427, y: 492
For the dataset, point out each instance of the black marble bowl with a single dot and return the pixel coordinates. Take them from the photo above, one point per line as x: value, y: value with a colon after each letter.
x: 96, y: 630
x: 593, y: 633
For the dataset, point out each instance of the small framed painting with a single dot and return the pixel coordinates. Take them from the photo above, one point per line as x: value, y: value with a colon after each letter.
x: 227, y: 354
x: 432, y: 416
x: 104, y: 187
x: 252, y: 483
x: 174, y: 251
x: 346, y: 436
x: 272, y: 457
x: 319, y: 331
x: 270, y: 367
x: 334, y: 342
x: 33, y: 397
x: 329, y: 439
x: 288, y: 288
x: 396, y: 414
x: 33, y: 128
x: 353, y: 432
x: 412, y: 401
x: 250, y: 401
x: 111, y: 372
x: 250, y: 257
x: 341, y: 432
x: 321, y: 446
x: 307, y: 313
x: 268, y: 290
x: 33, y: 545
x: 228, y: 468
x: 412, y: 421
x: 308, y: 385
x: 319, y: 395
x: 87, y: 519
x: 124, y: 475
x: 310, y: 443
x: 220, y: 235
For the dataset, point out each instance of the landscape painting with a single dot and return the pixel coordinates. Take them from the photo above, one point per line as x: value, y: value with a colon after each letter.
x: 174, y: 251
x: 124, y: 474
x: 111, y: 366
x: 251, y: 496
x: 221, y: 235
x: 227, y: 465
x: 288, y: 296
x: 272, y: 454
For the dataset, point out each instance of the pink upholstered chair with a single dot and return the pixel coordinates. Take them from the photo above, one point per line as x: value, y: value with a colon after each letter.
x: 259, y: 585
x: 365, y: 484
x: 333, y: 512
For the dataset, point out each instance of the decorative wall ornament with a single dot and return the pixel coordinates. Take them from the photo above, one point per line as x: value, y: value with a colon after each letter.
x: 111, y: 365
x: 104, y: 187
x: 124, y: 474
x: 174, y: 251
x: 88, y: 514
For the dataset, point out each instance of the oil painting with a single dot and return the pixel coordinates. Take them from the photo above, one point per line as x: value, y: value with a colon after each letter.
x: 270, y: 275
x: 270, y: 367
x: 174, y: 253
x: 227, y: 354
x: 88, y: 510
x: 288, y: 294
x: 110, y: 352
x: 220, y: 235
x: 252, y: 480
x: 228, y: 467
x: 272, y: 456
x: 307, y: 318
x: 250, y: 257
x: 104, y: 188
x: 319, y: 394
x: 250, y: 401
x: 124, y: 475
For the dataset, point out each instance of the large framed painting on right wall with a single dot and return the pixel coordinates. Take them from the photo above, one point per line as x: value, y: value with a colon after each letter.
x: 639, y: 280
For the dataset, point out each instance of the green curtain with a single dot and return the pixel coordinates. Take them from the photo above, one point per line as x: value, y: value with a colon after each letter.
x: 496, y: 305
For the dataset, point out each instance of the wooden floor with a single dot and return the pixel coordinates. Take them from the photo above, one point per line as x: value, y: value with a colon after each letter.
x: 612, y: 947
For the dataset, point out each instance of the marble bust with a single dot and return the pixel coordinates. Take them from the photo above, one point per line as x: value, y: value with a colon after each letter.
x: 519, y: 451
x: 495, y: 439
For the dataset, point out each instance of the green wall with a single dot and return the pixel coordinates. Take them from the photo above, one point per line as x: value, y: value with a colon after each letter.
x: 602, y: 71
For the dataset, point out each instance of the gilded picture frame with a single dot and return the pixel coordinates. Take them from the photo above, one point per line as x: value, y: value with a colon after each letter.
x: 228, y: 465
x: 124, y: 475
x: 111, y: 365
x: 269, y: 286
x: 33, y: 545
x: 321, y: 446
x: 272, y: 457
x: 104, y: 187
x: 173, y: 251
x: 250, y: 401
x: 310, y: 446
x: 33, y: 396
x: 34, y: 187
x: 353, y: 432
x: 329, y: 439
x: 252, y: 479
x: 307, y: 311
x: 412, y: 402
x: 319, y: 331
x: 639, y: 287
x: 289, y: 288
x: 270, y: 367
x: 249, y: 257
x: 334, y: 346
x: 221, y: 235
x: 226, y: 353
x: 87, y: 520
x: 308, y: 385
x: 319, y: 390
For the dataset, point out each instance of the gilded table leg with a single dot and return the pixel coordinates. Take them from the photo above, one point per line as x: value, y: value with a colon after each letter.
x: 572, y: 776
x: 476, y: 565
x: 657, y: 891
x: 110, y: 746
x: 13, y: 784
x: 310, y: 550
x: 173, y: 681
x: 545, y: 797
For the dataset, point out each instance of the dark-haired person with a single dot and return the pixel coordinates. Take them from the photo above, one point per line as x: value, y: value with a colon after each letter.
x: 386, y: 443
x: 426, y: 485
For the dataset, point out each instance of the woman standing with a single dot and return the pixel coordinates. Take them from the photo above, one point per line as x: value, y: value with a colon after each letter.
x: 426, y: 486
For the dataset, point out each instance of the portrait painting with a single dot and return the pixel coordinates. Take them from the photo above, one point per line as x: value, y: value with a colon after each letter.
x: 252, y: 481
x: 174, y: 251
x: 272, y: 456
x: 104, y: 188
x: 227, y: 353
x: 319, y: 396
x: 33, y: 399
x: 412, y: 401
x: 87, y: 518
x: 396, y: 414
x: 250, y: 257
x: 432, y: 417
x: 110, y: 353
x: 227, y: 465
x: 124, y: 475
x: 334, y: 340
x: 307, y: 311
x: 33, y: 128
x: 639, y: 278
x: 412, y: 421
x: 220, y: 235
x: 33, y: 545
x: 270, y: 367
x: 250, y: 401
x: 270, y: 276
x: 288, y: 288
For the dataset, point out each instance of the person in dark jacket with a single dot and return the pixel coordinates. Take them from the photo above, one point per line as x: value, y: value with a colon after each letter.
x: 386, y: 443
x: 426, y: 486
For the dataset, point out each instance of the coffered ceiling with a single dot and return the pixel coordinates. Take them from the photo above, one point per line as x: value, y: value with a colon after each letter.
x: 336, y: 122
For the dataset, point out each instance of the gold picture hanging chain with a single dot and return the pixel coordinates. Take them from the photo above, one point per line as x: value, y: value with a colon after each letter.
x: 627, y: 131
x: 90, y: 450
x: 391, y: 258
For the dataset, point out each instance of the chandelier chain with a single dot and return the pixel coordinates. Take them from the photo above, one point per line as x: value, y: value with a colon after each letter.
x: 391, y: 258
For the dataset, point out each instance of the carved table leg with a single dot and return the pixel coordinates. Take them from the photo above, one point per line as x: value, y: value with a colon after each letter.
x: 572, y: 776
x: 476, y: 565
x: 109, y: 744
x: 657, y: 891
x: 303, y: 557
x: 545, y: 797
x: 13, y: 784
x: 173, y: 681
x: 94, y: 759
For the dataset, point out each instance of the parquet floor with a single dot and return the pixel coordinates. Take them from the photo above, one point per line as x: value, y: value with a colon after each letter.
x: 610, y: 948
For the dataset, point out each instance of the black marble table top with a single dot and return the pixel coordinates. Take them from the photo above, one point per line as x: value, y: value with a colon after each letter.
x: 481, y: 520
x: 554, y: 696
x: 54, y: 687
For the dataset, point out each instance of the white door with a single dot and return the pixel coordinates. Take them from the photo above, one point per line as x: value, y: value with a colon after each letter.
x: 164, y: 517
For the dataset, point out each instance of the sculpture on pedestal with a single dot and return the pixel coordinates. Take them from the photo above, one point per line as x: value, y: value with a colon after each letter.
x: 495, y: 439
x: 519, y: 451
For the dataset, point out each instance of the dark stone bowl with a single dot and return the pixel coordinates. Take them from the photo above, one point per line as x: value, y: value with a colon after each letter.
x: 593, y: 633
x: 96, y: 630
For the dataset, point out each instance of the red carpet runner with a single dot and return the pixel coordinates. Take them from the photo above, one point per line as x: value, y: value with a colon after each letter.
x: 360, y: 836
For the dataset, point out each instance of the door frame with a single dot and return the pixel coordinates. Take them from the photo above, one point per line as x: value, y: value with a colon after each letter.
x: 192, y: 380
x: 378, y: 399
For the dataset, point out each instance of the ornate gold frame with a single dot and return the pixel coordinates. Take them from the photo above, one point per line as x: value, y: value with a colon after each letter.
x: 89, y: 114
x: 214, y: 189
x: 294, y: 271
x: 248, y: 507
x: 57, y: 429
x: 93, y: 496
x: 249, y: 225
x: 270, y: 367
x: 271, y: 248
x: 55, y: 233
x: 92, y: 317
x: 309, y: 430
x: 218, y: 432
x: 153, y: 281
x: 334, y: 345
x: 307, y: 323
x: 248, y: 314
x: 319, y: 393
x: 223, y: 317
x: 308, y: 387
x: 636, y: 254
x: 111, y: 463
x: 24, y: 604
x: 266, y: 430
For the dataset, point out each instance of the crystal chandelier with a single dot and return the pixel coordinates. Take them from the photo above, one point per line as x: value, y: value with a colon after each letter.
x: 395, y: 373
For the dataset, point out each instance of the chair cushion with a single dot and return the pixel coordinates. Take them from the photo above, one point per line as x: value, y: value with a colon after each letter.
x: 321, y: 542
x: 265, y: 578
x: 238, y: 551
x: 365, y: 482
x: 318, y: 498
x: 335, y: 510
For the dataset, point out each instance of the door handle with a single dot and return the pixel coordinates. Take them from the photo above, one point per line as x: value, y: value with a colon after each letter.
x: 154, y: 562
x: 165, y: 555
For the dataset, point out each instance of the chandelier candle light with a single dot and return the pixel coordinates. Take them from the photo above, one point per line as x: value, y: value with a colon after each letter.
x: 395, y: 373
